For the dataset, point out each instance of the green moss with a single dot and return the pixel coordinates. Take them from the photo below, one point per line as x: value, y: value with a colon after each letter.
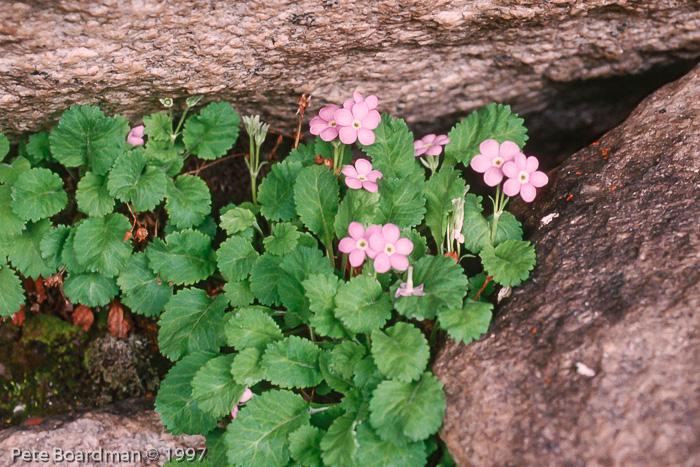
x: 48, y: 329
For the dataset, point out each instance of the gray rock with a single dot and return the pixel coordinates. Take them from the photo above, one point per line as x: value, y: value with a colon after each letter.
x: 595, y: 360
x: 428, y: 61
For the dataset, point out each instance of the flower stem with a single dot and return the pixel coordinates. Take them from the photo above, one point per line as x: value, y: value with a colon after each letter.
x: 313, y: 410
x: 497, y: 211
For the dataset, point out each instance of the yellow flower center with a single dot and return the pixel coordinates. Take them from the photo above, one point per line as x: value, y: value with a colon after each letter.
x: 389, y: 249
x: 524, y: 177
x: 362, y: 244
x: 361, y: 177
x: 356, y: 124
x: 332, y: 124
x: 497, y: 162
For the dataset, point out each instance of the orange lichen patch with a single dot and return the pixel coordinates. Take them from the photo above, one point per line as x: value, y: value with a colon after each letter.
x: 614, y: 187
x: 579, y: 173
x: 606, y: 151
x: 33, y: 421
x: 568, y: 198
x: 547, y: 380
x: 534, y: 330
x: 597, y: 143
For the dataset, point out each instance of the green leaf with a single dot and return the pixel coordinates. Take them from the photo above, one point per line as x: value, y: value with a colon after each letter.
x: 375, y: 452
x: 264, y: 279
x: 185, y: 257
x: 361, y: 304
x: 510, y: 262
x: 401, y: 203
x: 178, y: 410
x: 133, y: 180
x: 246, y: 368
x: 67, y: 251
x: 38, y: 193
x: 99, y: 244
x: 165, y: 155
x: 297, y: 267
x: 401, y: 352
x: 402, y: 412
x: 214, y: 389
x: 420, y: 244
x: 38, y: 148
x: 320, y: 290
x: 188, y: 202
x: 24, y: 251
x: 158, y: 126
x: 304, y: 154
x: 213, y: 132
x: 53, y: 243
x: 276, y: 192
x: 491, y: 122
x: 235, y: 258
x: 237, y: 220
x: 258, y: 436
x: 508, y: 228
x: 292, y: 363
x: 392, y: 152
x: 468, y: 323
x: 84, y: 136
x: 191, y: 323
x: 4, y: 146
x: 11, y: 291
x: 216, y: 448
x: 357, y: 206
x: 338, y: 365
x: 283, y: 240
x: 476, y: 285
x: 11, y: 222
x: 316, y: 195
x: 142, y: 290
x: 208, y: 227
x: 93, y: 196
x: 339, y: 444
x: 10, y: 172
x: 444, y: 186
x: 238, y: 293
x: 476, y: 229
x: 305, y: 446
x: 252, y: 327
x: 90, y: 289
x: 332, y: 377
x: 444, y: 285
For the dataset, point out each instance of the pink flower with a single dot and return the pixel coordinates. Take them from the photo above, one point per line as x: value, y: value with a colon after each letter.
x: 391, y: 250
x: 406, y: 289
x: 325, y: 125
x: 523, y: 177
x: 430, y: 145
x: 371, y: 101
x: 492, y: 158
x: 361, y: 176
x: 357, y: 123
x: 135, y: 136
x: 247, y: 395
x: 357, y: 244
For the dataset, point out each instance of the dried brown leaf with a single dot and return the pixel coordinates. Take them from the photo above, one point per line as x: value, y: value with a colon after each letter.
x: 83, y: 317
x: 18, y: 317
x: 118, y: 322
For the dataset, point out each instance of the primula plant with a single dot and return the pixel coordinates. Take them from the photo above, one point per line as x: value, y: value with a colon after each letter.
x: 302, y: 324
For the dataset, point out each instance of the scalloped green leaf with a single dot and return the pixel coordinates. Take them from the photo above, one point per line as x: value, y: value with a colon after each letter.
x: 403, y: 412
x: 185, y: 257
x: 297, y: 267
x: 90, y: 289
x: 401, y: 352
x: 401, y: 203
x: 305, y: 446
x: 292, y: 363
x: 283, y: 239
x: 252, y: 327
x: 165, y: 155
x: 362, y: 305
x: 375, y: 452
x: 24, y: 251
x: 468, y: 323
x: 259, y: 435
x: 235, y: 258
x: 392, y: 152
x: 188, y: 201
x: 246, y: 368
x: 213, y: 132
x: 37, y: 194
x: 476, y: 229
x: 53, y: 243
x: 191, y: 323
x: 10, y: 172
x: 142, y: 290
x: 508, y: 228
x: 214, y: 389
x: 178, y: 410
x: 276, y: 192
x: 357, y: 206
x: 38, y: 148
x: 133, y: 180
x: 99, y: 244
x: 444, y: 285
x: 264, y: 279
x: 510, y: 262
x: 158, y: 126
x: 4, y: 146
x: 93, y: 195
x: 236, y: 220
x: 11, y: 292
x: 444, y: 186
x: 316, y: 195
x: 84, y: 136
x: 11, y: 223
x: 339, y: 444
x: 494, y: 121
x: 238, y: 293
x: 68, y: 256
x: 320, y: 290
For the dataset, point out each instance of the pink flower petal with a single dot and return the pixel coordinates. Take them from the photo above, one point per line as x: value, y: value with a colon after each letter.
x: 510, y: 170
x: 538, y: 179
x: 372, y: 187
x: 373, y: 229
x: 528, y: 192
x: 360, y: 111
x: 358, y: 97
x: 327, y: 112
x: 372, y: 102
x: 353, y: 183
x: 493, y: 176
x: 317, y: 128
x: 348, y: 104
x: 508, y: 150
x: 374, y: 175
x: 434, y: 150
x: 520, y: 161
x: 399, y: 262
x: 481, y: 163
x: 372, y: 120
x: 391, y: 233
x: 372, y: 253
x: 343, y: 117
x: 350, y: 171
x: 488, y: 147
x: 234, y: 411
x: 347, y: 245
x: 137, y: 131
x: 531, y: 164
x: 247, y: 395
x: 428, y: 139
x: 357, y: 257
x: 382, y: 263
x: 363, y: 166
x: 329, y: 134
x: 404, y: 246
x: 377, y: 242
x: 356, y: 230
x: 441, y: 140
x: 420, y: 152
x: 511, y: 187
x: 365, y: 136
x: 348, y: 135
